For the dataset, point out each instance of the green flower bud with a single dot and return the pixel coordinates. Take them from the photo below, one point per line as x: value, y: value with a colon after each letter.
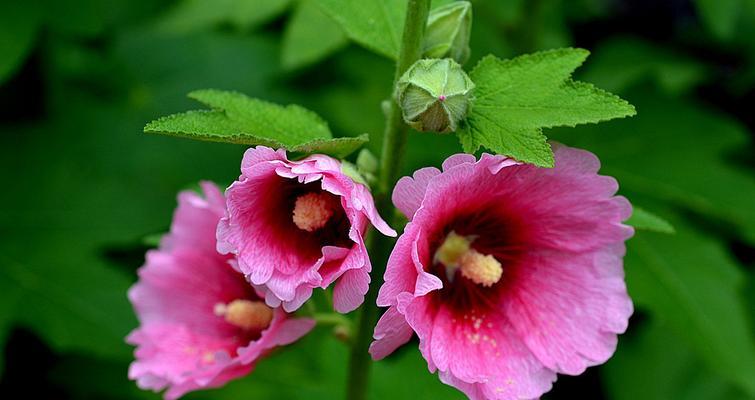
x: 434, y: 95
x: 448, y: 30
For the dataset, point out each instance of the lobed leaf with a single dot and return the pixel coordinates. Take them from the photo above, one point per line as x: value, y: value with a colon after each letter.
x: 236, y: 118
x: 515, y: 99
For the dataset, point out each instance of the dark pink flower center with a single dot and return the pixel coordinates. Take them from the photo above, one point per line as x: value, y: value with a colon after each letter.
x: 479, y: 274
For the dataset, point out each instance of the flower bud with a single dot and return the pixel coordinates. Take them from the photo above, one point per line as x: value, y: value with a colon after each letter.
x: 434, y: 95
x: 447, y: 32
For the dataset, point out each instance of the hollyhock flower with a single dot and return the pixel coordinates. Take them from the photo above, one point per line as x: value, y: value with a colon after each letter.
x: 508, y: 273
x: 201, y: 323
x: 299, y: 225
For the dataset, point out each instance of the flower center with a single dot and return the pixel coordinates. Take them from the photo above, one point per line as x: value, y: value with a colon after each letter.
x: 246, y: 314
x: 456, y: 253
x: 312, y: 211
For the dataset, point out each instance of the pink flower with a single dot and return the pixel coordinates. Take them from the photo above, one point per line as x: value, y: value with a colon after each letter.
x: 201, y: 323
x: 508, y: 273
x: 299, y: 225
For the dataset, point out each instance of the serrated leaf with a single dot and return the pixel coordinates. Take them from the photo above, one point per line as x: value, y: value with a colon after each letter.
x: 192, y: 15
x: 310, y: 36
x: 690, y: 282
x: 515, y: 99
x: 239, y: 119
x: 338, y: 147
x: 644, y: 220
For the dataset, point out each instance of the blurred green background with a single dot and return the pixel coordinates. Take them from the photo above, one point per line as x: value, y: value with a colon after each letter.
x: 84, y: 187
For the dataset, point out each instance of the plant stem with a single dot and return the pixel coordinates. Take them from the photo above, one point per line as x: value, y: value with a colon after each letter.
x: 394, y: 143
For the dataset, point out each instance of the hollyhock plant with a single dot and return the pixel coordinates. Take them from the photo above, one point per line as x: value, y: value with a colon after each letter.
x: 202, y: 324
x: 508, y: 273
x: 299, y: 225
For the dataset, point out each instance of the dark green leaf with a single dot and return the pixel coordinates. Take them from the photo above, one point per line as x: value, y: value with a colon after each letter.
x: 720, y: 16
x: 679, y: 152
x: 192, y: 15
x: 619, y: 63
x: 689, y: 281
x: 19, y: 23
x: 310, y: 36
x: 666, y: 366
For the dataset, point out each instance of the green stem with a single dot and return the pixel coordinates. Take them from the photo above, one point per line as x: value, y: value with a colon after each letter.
x: 394, y: 144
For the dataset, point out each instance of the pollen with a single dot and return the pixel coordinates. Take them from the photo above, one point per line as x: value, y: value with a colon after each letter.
x: 452, y: 249
x: 481, y: 269
x: 456, y: 253
x: 246, y: 314
x: 312, y: 211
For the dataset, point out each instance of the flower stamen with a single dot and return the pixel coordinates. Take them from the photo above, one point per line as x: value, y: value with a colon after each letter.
x: 312, y: 211
x: 246, y: 314
x: 456, y: 253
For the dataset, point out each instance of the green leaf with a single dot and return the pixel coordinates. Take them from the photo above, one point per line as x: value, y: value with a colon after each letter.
x: 313, y: 369
x: 720, y: 16
x: 644, y: 220
x: 19, y: 23
x: 76, y: 304
x: 236, y: 118
x: 668, y: 368
x: 375, y: 24
x: 690, y: 282
x: 193, y: 15
x: 310, y: 36
x: 619, y: 63
x: 515, y: 99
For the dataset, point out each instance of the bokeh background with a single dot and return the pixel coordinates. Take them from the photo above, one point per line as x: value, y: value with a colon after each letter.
x: 85, y: 191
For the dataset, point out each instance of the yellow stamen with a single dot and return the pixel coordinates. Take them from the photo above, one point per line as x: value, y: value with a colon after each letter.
x: 246, y: 314
x: 456, y: 253
x: 312, y: 211
x: 481, y: 269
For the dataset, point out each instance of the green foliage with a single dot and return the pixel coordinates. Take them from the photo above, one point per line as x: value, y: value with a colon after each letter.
x: 515, y: 99
x: 691, y: 162
x: 83, y: 189
x: 644, y: 220
x: 374, y: 24
x: 313, y: 369
x: 310, y: 36
x: 236, y: 118
x: 653, y: 364
x: 620, y: 63
x: 192, y: 15
x: 720, y: 16
x: 688, y: 281
x: 19, y: 23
